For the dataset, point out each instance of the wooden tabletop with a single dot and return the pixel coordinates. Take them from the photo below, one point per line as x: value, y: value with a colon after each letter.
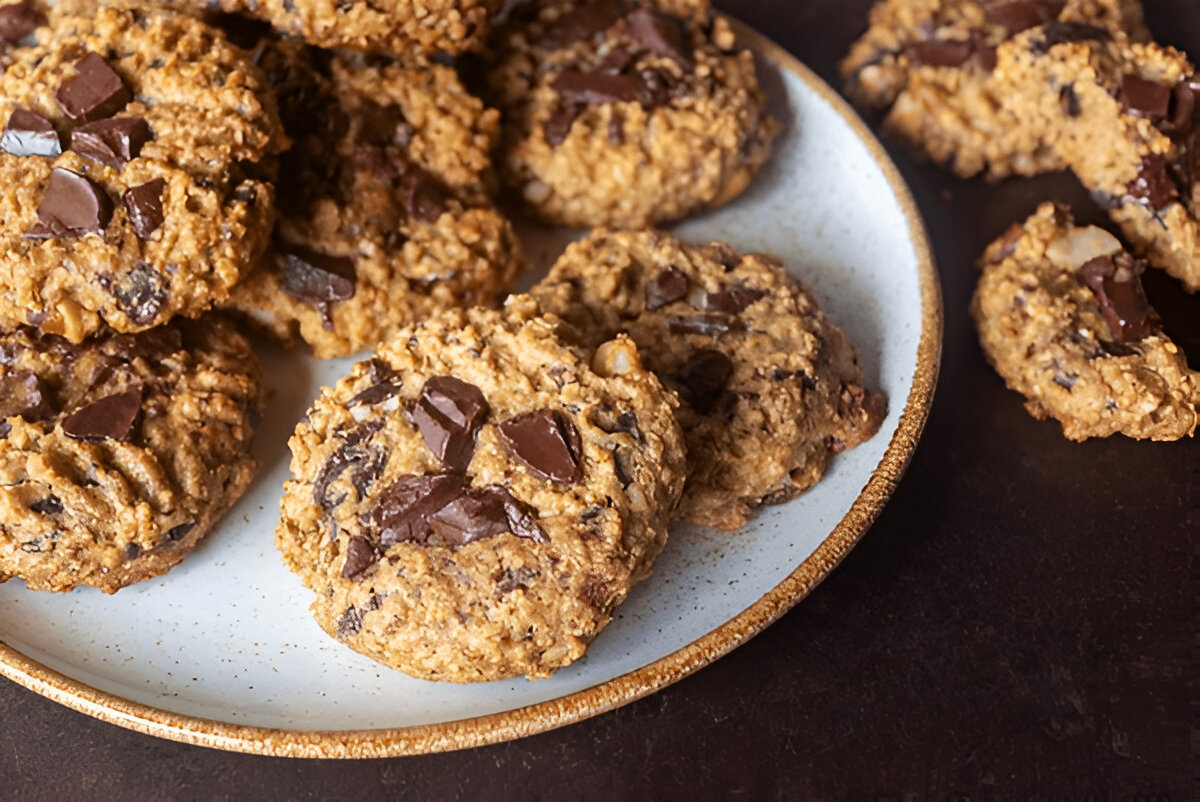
x: 1021, y: 621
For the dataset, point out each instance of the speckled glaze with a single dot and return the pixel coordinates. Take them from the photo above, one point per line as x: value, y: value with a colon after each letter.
x: 222, y: 652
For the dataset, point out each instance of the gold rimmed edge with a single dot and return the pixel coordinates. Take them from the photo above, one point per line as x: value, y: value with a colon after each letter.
x: 622, y: 690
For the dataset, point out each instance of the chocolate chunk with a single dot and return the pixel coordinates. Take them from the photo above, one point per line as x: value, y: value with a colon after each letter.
x: 940, y: 53
x: 1069, y: 99
x: 522, y: 520
x: 179, y: 532
x: 317, y: 279
x: 1117, y: 285
x: 141, y: 293
x: 114, y: 142
x: 547, y: 442
x: 1021, y: 15
x: 660, y: 34
x: 624, y: 423
x: 144, y: 205
x: 30, y: 134
x: 402, y: 510
x: 132, y: 550
x: 424, y: 196
x: 18, y: 20
x: 375, y: 394
x: 711, y: 325
x: 110, y: 418
x: 736, y: 299
x: 1143, y: 98
x: 558, y: 124
x: 1181, y: 116
x: 21, y: 394
x: 1154, y: 186
x: 986, y: 56
x: 623, y: 466
x: 597, y: 87
x: 349, y: 623
x: 586, y: 21
x: 50, y: 505
x: 71, y: 207
x: 96, y: 91
x: 359, y: 557
x: 667, y: 287
x: 508, y: 580
x: 470, y: 517
x: 448, y: 415
x: 351, y: 454
x: 704, y: 377
x: 1058, y: 32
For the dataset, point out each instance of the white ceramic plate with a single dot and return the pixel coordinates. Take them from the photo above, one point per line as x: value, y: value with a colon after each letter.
x: 222, y: 651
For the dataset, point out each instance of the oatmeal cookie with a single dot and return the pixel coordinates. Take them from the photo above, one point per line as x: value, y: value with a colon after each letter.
x: 1062, y: 316
x: 117, y: 455
x: 618, y: 113
x: 384, y: 209
x: 1123, y: 116
x: 134, y: 158
x: 473, y: 502
x: 771, y: 388
x: 928, y: 66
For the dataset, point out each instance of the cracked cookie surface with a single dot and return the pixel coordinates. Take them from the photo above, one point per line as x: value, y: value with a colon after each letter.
x: 119, y: 454
x: 1062, y: 317
x: 770, y: 387
x: 473, y: 502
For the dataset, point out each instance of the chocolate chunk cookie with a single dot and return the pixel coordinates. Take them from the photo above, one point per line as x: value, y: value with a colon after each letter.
x: 117, y: 455
x: 1063, y: 318
x: 624, y: 113
x: 384, y: 214
x: 770, y: 388
x: 473, y: 503
x: 929, y: 66
x: 133, y: 160
x: 1129, y: 131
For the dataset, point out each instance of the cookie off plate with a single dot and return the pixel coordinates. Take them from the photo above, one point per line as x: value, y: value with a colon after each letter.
x: 222, y: 651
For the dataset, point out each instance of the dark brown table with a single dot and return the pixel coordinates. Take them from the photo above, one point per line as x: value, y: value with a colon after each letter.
x: 1021, y: 621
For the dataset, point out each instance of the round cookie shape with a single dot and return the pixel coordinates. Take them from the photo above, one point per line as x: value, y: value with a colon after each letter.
x: 138, y: 151
x: 770, y: 388
x: 117, y: 455
x: 1062, y: 317
x: 473, y: 502
x: 626, y: 113
x: 384, y: 209
x: 930, y: 67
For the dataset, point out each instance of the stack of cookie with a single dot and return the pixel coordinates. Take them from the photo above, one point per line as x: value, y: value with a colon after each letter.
x: 475, y: 499
x: 1027, y: 86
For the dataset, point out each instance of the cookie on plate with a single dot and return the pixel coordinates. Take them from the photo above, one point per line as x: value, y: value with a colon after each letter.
x: 134, y: 156
x: 1063, y: 318
x: 928, y: 66
x: 117, y: 455
x: 770, y: 388
x: 625, y: 114
x: 384, y: 209
x: 473, y: 503
x: 1123, y: 115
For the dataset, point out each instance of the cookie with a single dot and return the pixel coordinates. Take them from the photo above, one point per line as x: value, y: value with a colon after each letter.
x: 622, y: 114
x: 412, y: 27
x: 135, y: 159
x: 117, y: 455
x: 1124, y: 117
x: 473, y: 502
x: 928, y: 66
x: 384, y: 208
x: 770, y: 388
x: 1063, y: 318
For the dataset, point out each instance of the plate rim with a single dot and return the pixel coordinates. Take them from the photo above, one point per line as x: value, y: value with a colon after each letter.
x: 626, y: 688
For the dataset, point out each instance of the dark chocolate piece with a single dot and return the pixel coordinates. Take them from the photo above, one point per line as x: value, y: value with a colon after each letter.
x: 425, y: 198
x: 114, y: 142
x: 71, y: 207
x: 448, y: 415
x: 1181, y: 116
x: 144, y: 205
x: 359, y: 557
x: 18, y: 20
x: 21, y: 394
x: 1070, y: 100
x: 1057, y: 32
x: 667, y: 287
x: 110, y: 418
x: 736, y: 299
x: 96, y: 91
x: 376, y: 394
x: 547, y: 442
x: 180, y: 532
x: 704, y: 377
x: 558, y: 124
x: 30, y: 134
x: 470, y: 517
x: 597, y: 87
x: 940, y: 53
x: 141, y: 293
x: 353, y: 454
x: 1021, y: 15
x: 401, y: 513
x: 318, y: 279
x: 1154, y: 186
x: 50, y: 505
x: 584, y: 22
x: 1117, y: 285
x: 1143, y: 98
x: 660, y: 34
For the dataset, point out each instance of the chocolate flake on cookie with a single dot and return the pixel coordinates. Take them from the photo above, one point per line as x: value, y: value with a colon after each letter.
x: 144, y: 205
x: 114, y: 142
x: 30, y: 134
x: 448, y: 414
x: 96, y: 91
x: 547, y: 442
x: 71, y: 207
x: 18, y: 20
x: 110, y: 418
x: 1118, y: 287
x: 318, y: 279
